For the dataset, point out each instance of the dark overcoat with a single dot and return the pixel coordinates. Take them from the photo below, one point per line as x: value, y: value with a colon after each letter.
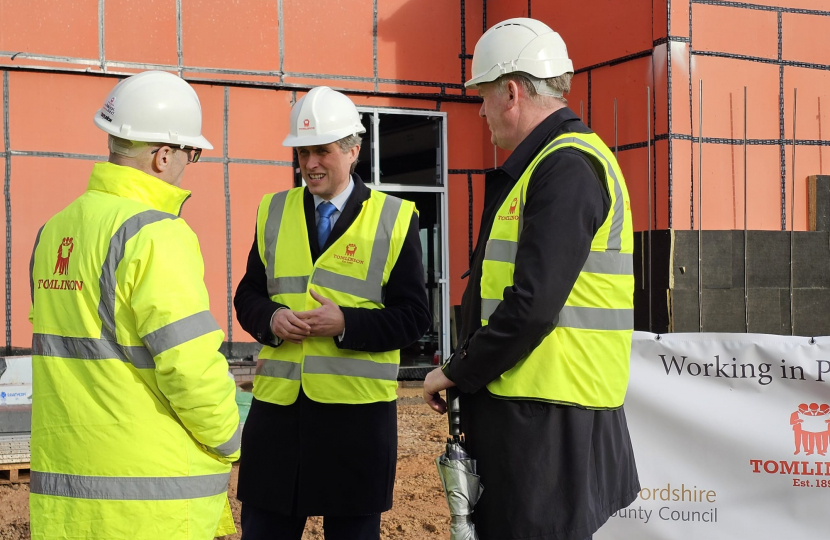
x: 309, y: 458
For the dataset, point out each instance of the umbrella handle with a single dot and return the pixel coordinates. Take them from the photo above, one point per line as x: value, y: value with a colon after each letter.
x: 454, y: 411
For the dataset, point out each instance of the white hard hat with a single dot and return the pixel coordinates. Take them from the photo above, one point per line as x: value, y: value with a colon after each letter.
x: 322, y: 116
x: 154, y: 106
x: 519, y: 45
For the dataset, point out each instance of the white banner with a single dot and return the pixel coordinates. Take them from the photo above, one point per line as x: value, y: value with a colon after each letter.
x: 16, y: 380
x: 730, y: 433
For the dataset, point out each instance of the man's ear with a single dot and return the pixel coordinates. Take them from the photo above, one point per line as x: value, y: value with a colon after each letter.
x: 162, y: 158
x: 512, y: 94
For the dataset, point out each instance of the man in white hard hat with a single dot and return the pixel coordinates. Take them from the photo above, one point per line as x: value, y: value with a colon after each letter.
x: 333, y: 290
x: 134, y: 421
x: 548, y: 312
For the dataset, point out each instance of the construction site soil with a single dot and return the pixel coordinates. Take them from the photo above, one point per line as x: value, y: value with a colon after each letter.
x: 420, y: 511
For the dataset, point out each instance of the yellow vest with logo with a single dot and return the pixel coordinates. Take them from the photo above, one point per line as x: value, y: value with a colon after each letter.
x: 352, y: 272
x: 584, y: 361
x: 134, y: 420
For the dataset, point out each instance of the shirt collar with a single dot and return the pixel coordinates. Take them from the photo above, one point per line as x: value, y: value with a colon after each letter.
x: 339, y: 201
x: 517, y: 162
x: 138, y: 186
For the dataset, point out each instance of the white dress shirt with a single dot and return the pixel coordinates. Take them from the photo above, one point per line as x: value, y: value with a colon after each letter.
x: 339, y: 201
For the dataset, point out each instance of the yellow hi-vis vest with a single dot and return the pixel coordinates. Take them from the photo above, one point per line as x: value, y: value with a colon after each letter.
x: 352, y: 272
x: 134, y: 420
x: 584, y: 361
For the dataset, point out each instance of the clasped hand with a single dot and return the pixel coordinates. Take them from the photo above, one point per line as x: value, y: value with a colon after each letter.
x: 324, y: 321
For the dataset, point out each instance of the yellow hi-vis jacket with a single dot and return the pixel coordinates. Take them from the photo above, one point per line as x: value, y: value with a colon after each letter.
x: 134, y: 420
x: 352, y: 272
x: 584, y: 361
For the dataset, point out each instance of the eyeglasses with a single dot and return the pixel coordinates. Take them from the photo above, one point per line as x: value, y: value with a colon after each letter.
x: 193, y: 153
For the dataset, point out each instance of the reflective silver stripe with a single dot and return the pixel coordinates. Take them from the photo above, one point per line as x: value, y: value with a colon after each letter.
x: 272, y: 232
x: 609, y: 262
x: 615, y: 233
x: 90, y: 349
x: 32, y: 265
x: 280, y: 369
x: 350, y: 367
x: 288, y: 285
x: 488, y: 306
x: 590, y: 318
x: 368, y: 289
x: 232, y: 445
x: 139, y: 357
x: 181, y: 331
x: 501, y: 250
x: 372, y: 287
x: 115, y: 253
x: 129, y: 488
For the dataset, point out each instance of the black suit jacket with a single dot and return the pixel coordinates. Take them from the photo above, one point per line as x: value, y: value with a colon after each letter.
x: 404, y: 318
x: 309, y: 458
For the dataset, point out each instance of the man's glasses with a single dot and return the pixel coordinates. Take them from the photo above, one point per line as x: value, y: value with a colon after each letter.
x: 193, y: 154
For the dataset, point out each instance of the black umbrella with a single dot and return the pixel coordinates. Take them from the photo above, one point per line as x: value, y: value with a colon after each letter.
x: 457, y: 470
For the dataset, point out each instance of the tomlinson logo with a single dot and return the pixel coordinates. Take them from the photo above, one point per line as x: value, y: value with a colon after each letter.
x: 811, y: 434
x: 811, y: 428
x: 306, y: 124
x: 109, y: 106
x: 349, y: 257
x: 510, y: 211
x: 64, y: 252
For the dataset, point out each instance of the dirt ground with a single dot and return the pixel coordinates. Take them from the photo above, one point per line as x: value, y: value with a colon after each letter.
x: 420, y: 511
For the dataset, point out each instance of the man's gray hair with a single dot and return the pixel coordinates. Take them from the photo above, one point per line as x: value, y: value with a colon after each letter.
x: 560, y: 84
x: 347, y: 143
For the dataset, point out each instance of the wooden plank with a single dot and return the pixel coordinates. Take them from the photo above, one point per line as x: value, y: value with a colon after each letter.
x: 14, y: 473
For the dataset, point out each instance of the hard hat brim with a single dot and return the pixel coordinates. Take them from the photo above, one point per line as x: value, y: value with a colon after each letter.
x: 294, y: 141
x: 160, y: 138
x: 538, y: 69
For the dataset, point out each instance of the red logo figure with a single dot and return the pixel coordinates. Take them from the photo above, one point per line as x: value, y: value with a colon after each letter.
x: 305, y: 122
x: 350, y: 249
x: 64, y: 251
x: 513, y: 206
x: 811, y: 431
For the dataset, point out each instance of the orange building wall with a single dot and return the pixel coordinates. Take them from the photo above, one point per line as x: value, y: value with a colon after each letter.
x: 771, y: 48
x: 250, y: 60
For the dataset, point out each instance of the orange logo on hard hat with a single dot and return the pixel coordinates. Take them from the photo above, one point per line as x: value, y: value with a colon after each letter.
x: 513, y: 206
x: 305, y: 122
x: 350, y: 249
x: 109, y: 106
x: 64, y: 251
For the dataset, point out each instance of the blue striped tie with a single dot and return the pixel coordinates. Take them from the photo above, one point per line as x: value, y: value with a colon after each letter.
x: 325, y: 209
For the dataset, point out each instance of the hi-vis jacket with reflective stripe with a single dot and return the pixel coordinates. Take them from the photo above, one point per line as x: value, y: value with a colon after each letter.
x: 134, y: 420
x: 352, y: 272
x: 585, y: 360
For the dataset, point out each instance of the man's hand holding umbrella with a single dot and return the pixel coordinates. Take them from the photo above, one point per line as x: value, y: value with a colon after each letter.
x: 459, y: 478
x: 433, y: 384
